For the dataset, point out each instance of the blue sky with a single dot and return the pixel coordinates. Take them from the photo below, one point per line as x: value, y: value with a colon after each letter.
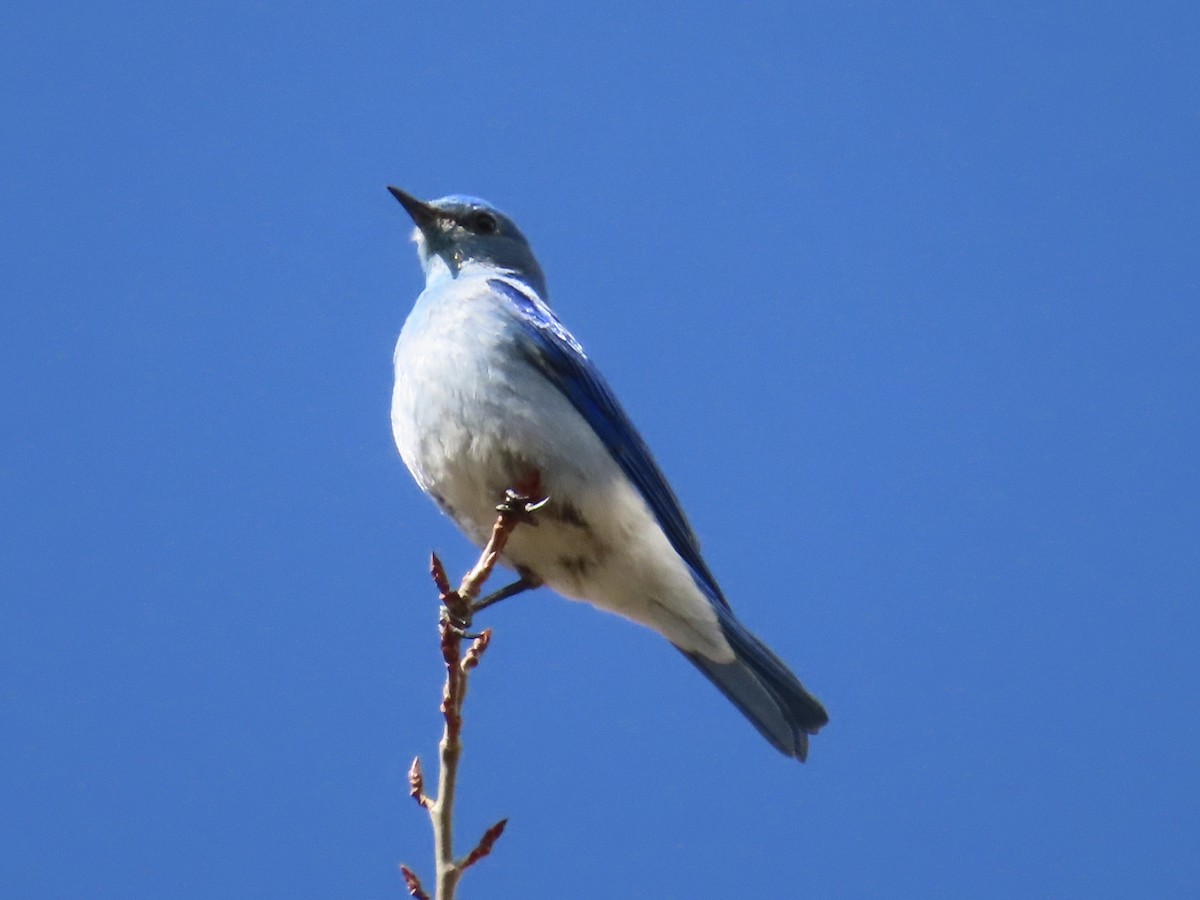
x: 904, y: 297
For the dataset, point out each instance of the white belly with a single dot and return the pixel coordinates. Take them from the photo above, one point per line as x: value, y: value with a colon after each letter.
x: 472, y: 420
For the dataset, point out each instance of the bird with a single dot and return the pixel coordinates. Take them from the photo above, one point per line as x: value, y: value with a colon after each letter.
x: 493, y: 392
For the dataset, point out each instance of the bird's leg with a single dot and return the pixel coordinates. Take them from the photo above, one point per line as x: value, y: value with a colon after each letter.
x: 458, y: 607
x: 522, y: 584
x: 517, y: 508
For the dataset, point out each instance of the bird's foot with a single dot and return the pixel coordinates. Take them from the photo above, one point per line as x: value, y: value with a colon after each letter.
x: 520, y: 506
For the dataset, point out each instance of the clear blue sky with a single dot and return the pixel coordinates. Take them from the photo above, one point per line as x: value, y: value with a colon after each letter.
x: 904, y: 297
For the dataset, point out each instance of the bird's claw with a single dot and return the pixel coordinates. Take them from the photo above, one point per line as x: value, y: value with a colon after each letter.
x: 520, y: 507
x: 456, y: 623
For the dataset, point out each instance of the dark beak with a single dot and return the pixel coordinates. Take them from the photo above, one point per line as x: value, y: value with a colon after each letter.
x: 422, y: 213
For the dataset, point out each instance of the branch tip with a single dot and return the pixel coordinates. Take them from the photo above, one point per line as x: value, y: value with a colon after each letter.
x: 413, y: 883
x: 438, y: 571
x: 484, y: 847
x: 475, y: 651
x: 416, y: 783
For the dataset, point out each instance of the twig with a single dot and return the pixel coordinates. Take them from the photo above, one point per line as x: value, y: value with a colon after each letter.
x: 458, y: 609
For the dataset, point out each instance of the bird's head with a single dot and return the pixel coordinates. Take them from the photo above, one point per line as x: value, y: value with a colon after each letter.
x: 456, y: 231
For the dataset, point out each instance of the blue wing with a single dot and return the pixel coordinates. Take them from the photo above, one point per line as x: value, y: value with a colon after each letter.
x: 553, y: 350
x: 761, y: 686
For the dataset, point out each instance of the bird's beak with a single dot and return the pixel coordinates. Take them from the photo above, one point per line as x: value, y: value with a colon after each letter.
x: 422, y: 213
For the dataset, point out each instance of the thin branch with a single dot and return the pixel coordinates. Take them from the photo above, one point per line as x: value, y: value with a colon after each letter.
x: 458, y: 609
x: 449, y: 750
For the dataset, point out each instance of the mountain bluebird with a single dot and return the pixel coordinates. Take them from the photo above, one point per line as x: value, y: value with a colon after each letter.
x: 492, y: 392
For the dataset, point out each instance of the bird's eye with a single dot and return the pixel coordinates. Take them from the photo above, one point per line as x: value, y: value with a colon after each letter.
x: 483, y: 223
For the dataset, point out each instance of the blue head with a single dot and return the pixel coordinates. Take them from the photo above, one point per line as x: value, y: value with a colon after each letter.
x: 456, y: 231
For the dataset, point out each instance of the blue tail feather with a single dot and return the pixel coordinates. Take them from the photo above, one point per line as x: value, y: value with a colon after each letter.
x: 764, y: 689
